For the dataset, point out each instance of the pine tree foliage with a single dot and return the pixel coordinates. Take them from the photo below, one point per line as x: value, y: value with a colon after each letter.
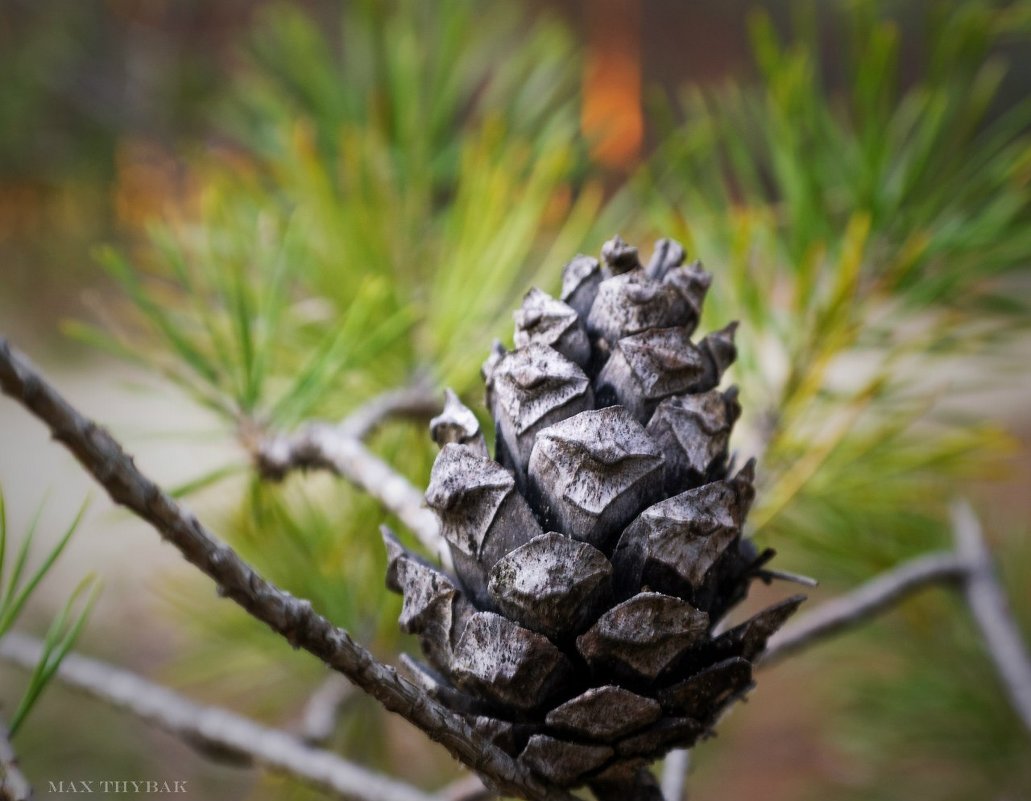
x: 394, y: 190
x: 338, y: 250
x: 874, y: 240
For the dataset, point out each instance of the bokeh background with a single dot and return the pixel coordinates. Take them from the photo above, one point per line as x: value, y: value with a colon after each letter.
x: 215, y: 216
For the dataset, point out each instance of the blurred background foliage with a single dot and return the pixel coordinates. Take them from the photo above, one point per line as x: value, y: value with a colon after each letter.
x: 18, y: 583
x: 310, y: 203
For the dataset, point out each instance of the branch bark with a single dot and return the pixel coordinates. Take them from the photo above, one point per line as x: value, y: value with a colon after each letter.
x: 869, y: 599
x: 991, y: 612
x: 214, y: 731
x: 322, y: 711
x: 970, y: 568
x: 13, y: 784
x: 293, y: 618
x: 339, y: 449
x: 674, y: 775
x: 418, y: 402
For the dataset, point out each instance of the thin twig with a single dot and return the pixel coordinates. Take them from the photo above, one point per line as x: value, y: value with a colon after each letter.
x: 293, y: 618
x: 418, y: 402
x: 991, y: 612
x: 13, y: 784
x: 322, y: 711
x: 674, y: 775
x: 854, y: 608
x: 214, y: 731
x: 334, y: 447
x: 970, y: 568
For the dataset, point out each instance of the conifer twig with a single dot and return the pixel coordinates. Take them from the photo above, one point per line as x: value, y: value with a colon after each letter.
x: 13, y: 784
x: 969, y: 567
x: 295, y: 619
x: 322, y: 711
x: 859, y: 605
x: 674, y: 774
x: 213, y: 731
x: 339, y: 449
x: 419, y: 402
x: 991, y: 612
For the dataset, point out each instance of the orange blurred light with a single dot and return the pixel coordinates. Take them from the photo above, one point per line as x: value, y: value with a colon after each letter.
x: 611, y: 116
x: 148, y: 181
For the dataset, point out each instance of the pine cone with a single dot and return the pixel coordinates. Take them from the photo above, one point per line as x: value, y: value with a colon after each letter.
x: 596, y: 554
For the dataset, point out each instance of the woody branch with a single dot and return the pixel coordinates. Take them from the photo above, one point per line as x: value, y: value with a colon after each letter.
x: 294, y: 619
x: 216, y: 733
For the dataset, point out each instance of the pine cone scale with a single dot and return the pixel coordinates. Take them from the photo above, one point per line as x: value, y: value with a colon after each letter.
x: 591, y: 714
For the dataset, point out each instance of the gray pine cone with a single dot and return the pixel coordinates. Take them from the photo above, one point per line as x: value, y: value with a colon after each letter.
x: 596, y: 554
